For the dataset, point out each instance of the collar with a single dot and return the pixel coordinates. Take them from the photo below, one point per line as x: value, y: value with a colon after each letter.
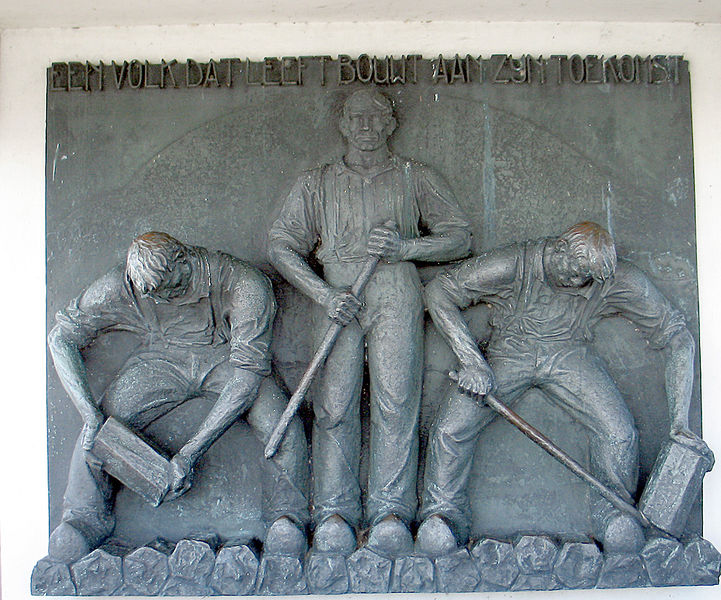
x: 199, y: 286
x: 342, y: 167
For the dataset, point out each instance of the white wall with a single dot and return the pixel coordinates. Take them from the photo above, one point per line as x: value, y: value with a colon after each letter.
x: 24, y: 55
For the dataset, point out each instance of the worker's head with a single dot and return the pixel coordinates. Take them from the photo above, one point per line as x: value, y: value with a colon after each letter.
x: 582, y: 253
x: 367, y: 119
x: 157, y: 265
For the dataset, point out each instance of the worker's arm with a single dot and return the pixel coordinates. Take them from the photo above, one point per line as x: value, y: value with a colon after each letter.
x: 461, y: 287
x: 70, y: 367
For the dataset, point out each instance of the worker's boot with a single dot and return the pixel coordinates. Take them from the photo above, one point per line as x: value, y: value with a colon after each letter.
x: 435, y: 537
x: 67, y: 544
x: 334, y: 536
x: 285, y: 538
x: 623, y: 534
x: 390, y: 537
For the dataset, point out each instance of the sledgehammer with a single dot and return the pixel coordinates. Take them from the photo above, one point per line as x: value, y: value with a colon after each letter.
x: 546, y: 444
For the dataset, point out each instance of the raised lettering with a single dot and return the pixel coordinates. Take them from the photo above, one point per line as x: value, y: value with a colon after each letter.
x: 345, y: 67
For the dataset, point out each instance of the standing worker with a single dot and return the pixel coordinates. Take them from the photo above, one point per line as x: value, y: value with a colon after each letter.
x: 371, y: 202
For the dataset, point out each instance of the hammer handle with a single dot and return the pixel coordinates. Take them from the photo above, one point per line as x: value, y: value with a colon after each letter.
x: 319, y: 358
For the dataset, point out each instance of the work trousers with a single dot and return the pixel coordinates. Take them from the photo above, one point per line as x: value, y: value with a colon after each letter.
x: 390, y: 330
x: 152, y: 384
x: 573, y: 378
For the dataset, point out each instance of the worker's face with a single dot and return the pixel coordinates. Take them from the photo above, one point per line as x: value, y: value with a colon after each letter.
x: 571, y: 269
x: 365, y: 125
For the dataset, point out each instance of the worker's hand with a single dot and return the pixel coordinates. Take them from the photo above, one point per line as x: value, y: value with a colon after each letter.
x: 684, y: 436
x: 385, y: 242
x: 180, y: 477
x: 91, y: 426
x: 341, y: 305
x: 477, y: 380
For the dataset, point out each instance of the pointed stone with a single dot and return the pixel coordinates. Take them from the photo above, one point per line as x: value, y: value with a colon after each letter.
x: 704, y: 562
x: 176, y: 586
x: 578, y: 565
x: 192, y: 561
x: 98, y: 574
x: 50, y: 578
x: 535, y: 554
x: 326, y: 573
x: 281, y: 576
x: 235, y: 571
x: 622, y: 571
x: 665, y: 562
x: 145, y: 571
x: 369, y: 573
x: 413, y: 574
x: 457, y: 572
x: 536, y: 582
x: 496, y: 561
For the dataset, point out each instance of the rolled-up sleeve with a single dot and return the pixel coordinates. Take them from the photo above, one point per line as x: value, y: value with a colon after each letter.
x: 251, y: 324
x: 440, y: 212
x: 636, y: 298
x: 96, y: 310
x: 295, y: 225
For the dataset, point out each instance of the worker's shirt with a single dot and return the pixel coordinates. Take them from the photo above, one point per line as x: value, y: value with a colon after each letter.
x: 530, y: 311
x: 227, y: 302
x: 334, y: 207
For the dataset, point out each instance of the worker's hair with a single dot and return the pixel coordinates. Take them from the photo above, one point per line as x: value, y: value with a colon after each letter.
x: 150, y: 257
x: 593, y: 241
x: 374, y: 96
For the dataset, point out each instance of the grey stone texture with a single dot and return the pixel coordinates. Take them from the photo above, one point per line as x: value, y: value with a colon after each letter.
x: 326, y: 573
x: 535, y: 554
x: 457, y: 572
x: 235, y: 571
x: 145, y: 571
x: 369, y: 573
x: 412, y: 574
x: 578, y: 565
x: 50, y: 578
x: 281, y: 576
x: 665, y: 562
x: 622, y: 571
x: 703, y: 561
x: 98, y: 574
x: 536, y: 581
x: 497, y: 564
x: 192, y: 561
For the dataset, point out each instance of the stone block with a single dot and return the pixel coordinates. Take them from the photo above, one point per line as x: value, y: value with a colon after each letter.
x: 536, y: 581
x: 665, y: 562
x: 578, y: 565
x: 457, y: 572
x: 704, y: 562
x: 326, y: 573
x: 98, y: 574
x: 145, y: 571
x: 535, y: 554
x: 368, y: 573
x: 51, y: 578
x: 178, y: 586
x: 496, y: 562
x: 193, y: 561
x: 622, y: 571
x: 412, y: 574
x: 281, y: 576
x: 235, y: 571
